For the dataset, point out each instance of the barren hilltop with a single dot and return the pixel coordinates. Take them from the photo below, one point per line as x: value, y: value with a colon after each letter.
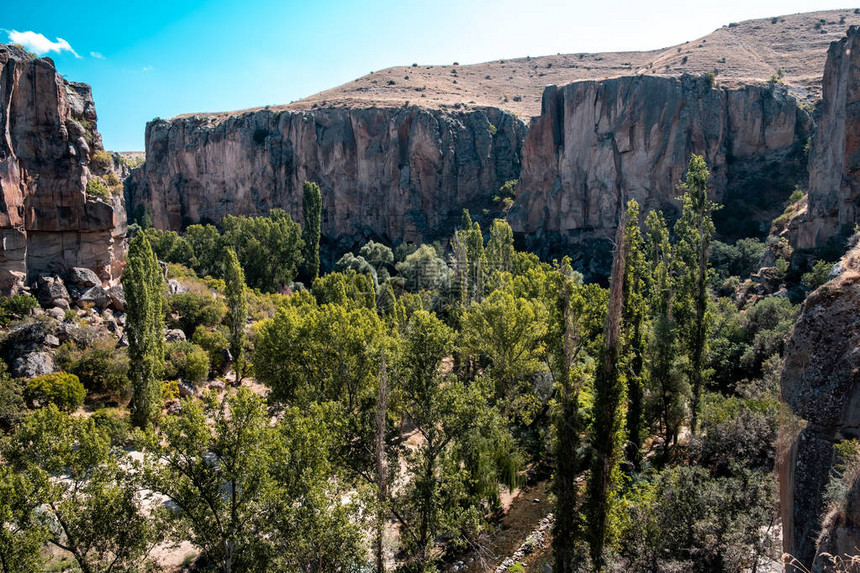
x: 791, y: 48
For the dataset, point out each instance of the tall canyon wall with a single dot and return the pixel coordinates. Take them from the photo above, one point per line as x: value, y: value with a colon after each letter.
x: 48, y: 223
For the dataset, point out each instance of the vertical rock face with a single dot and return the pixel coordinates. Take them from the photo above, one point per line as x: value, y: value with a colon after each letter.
x: 392, y: 174
x: 598, y: 144
x: 834, y: 163
x: 821, y: 384
x: 48, y: 224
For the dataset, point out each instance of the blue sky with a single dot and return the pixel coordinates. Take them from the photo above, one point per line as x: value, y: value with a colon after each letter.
x: 163, y: 58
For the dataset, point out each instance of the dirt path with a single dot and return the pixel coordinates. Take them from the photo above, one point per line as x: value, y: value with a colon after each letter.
x: 525, y: 514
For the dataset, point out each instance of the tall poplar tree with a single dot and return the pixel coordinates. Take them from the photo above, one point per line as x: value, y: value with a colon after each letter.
x: 142, y: 282
x: 694, y: 231
x: 312, y: 218
x: 635, y: 327
x: 607, y: 435
x: 237, y: 315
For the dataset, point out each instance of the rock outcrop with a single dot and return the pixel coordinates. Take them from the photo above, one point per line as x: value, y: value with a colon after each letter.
x: 834, y: 162
x: 48, y: 222
x: 597, y: 144
x: 392, y: 174
x: 821, y: 385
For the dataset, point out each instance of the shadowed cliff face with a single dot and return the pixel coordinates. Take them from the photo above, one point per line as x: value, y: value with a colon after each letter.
x: 47, y: 223
x: 598, y: 144
x: 401, y: 174
x: 834, y: 163
x: 820, y: 384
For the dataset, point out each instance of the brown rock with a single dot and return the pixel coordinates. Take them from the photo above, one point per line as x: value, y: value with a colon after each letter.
x: 393, y: 174
x: 834, y: 160
x: 598, y: 144
x: 48, y: 224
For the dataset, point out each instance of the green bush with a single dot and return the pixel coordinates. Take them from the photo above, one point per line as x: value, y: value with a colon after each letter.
x: 100, y: 366
x: 817, y: 276
x: 11, y: 399
x: 214, y: 342
x: 62, y: 389
x: 187, y: 361
x: 195, y: 310
x: 97, y: 188
x: 16, y: 306
x: 102, y: 160
x: 114, y: 424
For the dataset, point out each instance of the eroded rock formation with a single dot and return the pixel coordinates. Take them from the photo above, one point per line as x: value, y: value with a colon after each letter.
x: 821, y: 385
x: 48, y: 223
x: 598, y: 144
x: 392, y: 174
x: 834, y: 162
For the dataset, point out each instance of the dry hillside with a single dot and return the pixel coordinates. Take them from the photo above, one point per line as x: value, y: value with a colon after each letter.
x: 751, y: 51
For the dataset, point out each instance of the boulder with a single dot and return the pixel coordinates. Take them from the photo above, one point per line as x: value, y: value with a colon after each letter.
x: 117, y: 297
x: 51, y: 289
x: 33, y: 364
x: 61, y: 303
x: 82, y: 277
x: 96, y: 295
x: 187, y: 390
x: 174, y: 335
x: 56, y: 313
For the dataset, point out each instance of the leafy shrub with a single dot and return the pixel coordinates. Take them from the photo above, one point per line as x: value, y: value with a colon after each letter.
x: 214, y: 342
x: 11, y: 399
x: 187, y: 361
x: 62, y: 389
x: 16, y: 306
x: 193, y: 310
x: 169, y: 390
x: 114, y: 424
x: 102, y: 161
x: 97, y: 188
x: 100, y: 366
x: 817, y: 276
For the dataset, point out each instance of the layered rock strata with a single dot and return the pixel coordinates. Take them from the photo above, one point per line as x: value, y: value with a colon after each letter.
x: 397, y: 174
x: 48, y: 222
x: 834, y: 162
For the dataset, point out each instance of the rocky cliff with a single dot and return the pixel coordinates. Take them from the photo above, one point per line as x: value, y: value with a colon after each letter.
x: 821, y: 385
x: 834, y: 164
x: 48, y: 222
x: 391, y: 174
x: 598, y: 144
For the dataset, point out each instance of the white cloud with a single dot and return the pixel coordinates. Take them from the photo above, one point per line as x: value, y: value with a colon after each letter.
x: 39, y: 44
x: 97, y: 55
x: 147, y: 69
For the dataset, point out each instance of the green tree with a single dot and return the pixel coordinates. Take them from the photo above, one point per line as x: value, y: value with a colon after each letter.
x: 94, y: 511
x: 142, y: 282
x: 237, y: 314
x: 466, y: 452
x: 22, y: 535
x: 694, y: 230
x: 509, y: 333
x: 312, y: 217
x: 667, y: 384
x: 238, y: 494
x: 608, y: 432
x: 635, y: 330
x: 500, y: 246
x: 269, y: 248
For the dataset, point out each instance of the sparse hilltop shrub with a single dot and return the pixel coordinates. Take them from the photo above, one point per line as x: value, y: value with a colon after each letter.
x: 62, y: 389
